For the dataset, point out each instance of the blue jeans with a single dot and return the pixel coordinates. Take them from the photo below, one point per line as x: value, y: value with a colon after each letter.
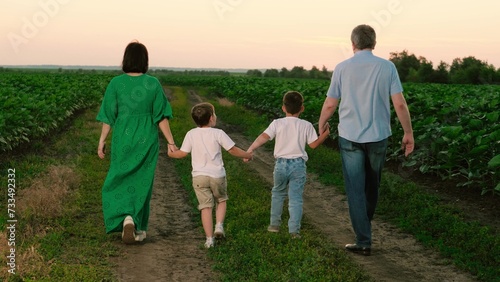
x: 362, y: 165
x: 289, y: 173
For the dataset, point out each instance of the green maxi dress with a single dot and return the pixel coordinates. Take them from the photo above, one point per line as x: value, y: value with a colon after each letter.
x: 133, y: 106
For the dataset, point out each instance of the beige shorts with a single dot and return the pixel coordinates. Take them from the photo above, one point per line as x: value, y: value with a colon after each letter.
x: 208, y: 189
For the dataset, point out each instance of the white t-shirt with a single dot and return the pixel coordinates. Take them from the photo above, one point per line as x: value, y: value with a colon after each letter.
x: 205, y: 144
x: 292, y: 134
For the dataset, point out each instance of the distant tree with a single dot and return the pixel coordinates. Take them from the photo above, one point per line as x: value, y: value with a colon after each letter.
x: 284, y: 72
x: 412, y: 75
x: 471, y: 70
x: 298, y: 72
x: 404, y: 62
x: 271, y: 73
x: 441, y: 74
x: 325, y: 73
x: 254, y: 73
x: 425, y: 71
x: 315, y: 72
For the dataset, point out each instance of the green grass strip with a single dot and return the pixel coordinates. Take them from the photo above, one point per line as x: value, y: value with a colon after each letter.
x: 73, y: 246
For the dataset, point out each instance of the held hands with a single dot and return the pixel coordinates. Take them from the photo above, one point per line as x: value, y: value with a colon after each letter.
x: 251, y: 156
x: 325, y: 130
x: 171, y: 148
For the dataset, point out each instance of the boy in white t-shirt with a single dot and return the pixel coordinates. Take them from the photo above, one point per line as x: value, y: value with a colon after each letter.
x: 209, y: 176
x: 292, y: 134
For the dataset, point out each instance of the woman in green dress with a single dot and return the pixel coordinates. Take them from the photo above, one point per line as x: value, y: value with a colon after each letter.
x: 134, y: 106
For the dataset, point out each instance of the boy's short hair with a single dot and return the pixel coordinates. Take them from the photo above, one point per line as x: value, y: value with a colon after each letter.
x: 201, y: 113
x: 293, y: 101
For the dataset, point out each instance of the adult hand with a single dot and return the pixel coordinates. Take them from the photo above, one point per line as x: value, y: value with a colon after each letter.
x: 408, y: 144
x: 326, y: 129
x: 101, y: 150
x: 248, y: 159
x: 172, y: 148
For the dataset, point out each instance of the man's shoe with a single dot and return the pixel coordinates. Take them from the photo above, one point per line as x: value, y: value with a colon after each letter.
x: 219, y: 231
x: 358, y: 250
x: 295, y: 235
x: 273, y: 228
x: 128, y: 233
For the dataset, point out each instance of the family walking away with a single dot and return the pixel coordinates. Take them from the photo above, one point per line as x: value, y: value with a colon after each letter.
x: 208, y: 173
x: 291, y: 134
x: 365, y: 85
x: 134, y: 106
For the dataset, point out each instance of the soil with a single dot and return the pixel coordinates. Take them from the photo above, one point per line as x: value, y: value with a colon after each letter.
x: 173, y: 250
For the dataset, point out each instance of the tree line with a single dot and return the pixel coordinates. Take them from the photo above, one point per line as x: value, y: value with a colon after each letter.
x: 295, y: 72
x: 467, y: 70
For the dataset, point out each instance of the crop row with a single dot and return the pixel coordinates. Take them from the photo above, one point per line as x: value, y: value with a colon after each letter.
x: 34, y: 104
x: 456, y: 127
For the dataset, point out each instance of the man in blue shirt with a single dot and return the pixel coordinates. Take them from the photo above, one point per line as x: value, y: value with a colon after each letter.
x: 365, y: 85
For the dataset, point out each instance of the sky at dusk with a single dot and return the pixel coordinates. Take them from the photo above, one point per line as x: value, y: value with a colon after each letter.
x: 249, y: 34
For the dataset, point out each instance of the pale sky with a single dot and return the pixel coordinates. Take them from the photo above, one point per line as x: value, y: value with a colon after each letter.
x: 246, y: 34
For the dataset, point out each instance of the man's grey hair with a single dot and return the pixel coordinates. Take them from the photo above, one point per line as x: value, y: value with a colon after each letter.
x: 363, y: 37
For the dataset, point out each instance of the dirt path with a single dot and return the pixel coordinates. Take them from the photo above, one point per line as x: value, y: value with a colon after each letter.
x: 173, y: 249
x: 173, y: 252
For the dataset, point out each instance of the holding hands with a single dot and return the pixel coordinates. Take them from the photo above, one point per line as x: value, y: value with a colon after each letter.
x: 248, y: 159
x: 171, y: 148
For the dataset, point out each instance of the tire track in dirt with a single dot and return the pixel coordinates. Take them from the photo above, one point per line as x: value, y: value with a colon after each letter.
x: 396, y: 256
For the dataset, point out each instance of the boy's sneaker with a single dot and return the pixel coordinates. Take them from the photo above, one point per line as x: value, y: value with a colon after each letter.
x: 128, y: 233
x: 219, y: 231
x: 273, y: 228
x: 140, y: 235
x: 295, y: 235
x: 209, y: 243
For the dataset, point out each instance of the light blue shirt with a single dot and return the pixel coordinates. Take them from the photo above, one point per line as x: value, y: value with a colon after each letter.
x: 364, y: 84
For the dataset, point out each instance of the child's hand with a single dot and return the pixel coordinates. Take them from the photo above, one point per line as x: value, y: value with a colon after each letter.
x: 248, y: 159
x: 171, y: 151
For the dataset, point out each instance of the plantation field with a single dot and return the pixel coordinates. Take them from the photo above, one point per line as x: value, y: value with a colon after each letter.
x: 33, y: 104
x: 456, y: 127
x: 412, y: 228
